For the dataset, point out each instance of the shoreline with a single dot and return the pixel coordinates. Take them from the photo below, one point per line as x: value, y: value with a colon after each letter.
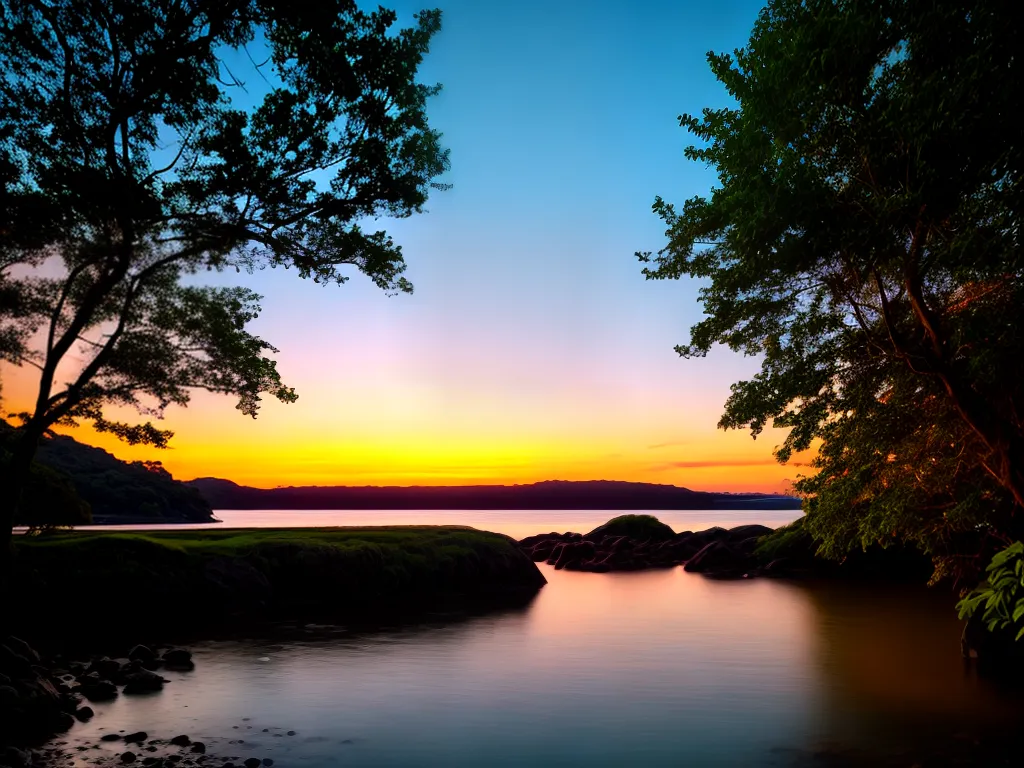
x: 292, y: 563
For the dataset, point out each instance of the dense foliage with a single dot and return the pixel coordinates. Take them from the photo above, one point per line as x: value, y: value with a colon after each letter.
x: 128, y: 161
x: 1001, y: 598
x: 864, y: 242
x: 120, y: 491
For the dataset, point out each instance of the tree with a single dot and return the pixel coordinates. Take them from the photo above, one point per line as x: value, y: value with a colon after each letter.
x: 126, y: 164
x: 864, y: 241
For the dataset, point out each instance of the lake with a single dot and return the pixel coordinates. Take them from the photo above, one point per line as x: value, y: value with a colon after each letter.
x: 658, y: 668
x: 512, y: 522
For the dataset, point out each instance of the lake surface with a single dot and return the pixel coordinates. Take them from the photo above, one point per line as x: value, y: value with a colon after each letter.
x: 659, y: 668
x: 512, y: 522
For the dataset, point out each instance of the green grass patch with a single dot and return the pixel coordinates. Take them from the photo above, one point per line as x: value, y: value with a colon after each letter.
x: 150, y: 577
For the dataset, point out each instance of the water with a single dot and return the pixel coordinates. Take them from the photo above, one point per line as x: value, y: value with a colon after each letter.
x: 512, y: 522
x: 658, y: 668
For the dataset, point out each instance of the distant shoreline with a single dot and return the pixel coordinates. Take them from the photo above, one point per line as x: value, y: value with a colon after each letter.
x: 548, y: 495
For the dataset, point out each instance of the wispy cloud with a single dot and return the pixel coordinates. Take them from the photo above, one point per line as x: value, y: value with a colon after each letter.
x: 672, y: 444
x: 707, y: 464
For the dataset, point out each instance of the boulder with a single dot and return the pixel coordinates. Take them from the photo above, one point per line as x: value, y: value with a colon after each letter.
x: 105, y: 667
x: 178, y: 659
x: 136, y: 738
x: 98, y: 690
x: 84, y: 713
x: 181, y: 741
x: 640, y: 527
x: 198, y: 747
x: 574, y: 552
x: 718, y: 559
x: 143, y: 681
x: 142, y: 653
x: 741, y: 532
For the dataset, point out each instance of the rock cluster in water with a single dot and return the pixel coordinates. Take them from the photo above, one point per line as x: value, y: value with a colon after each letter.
x: 41, y: 698
x: 638, y: 542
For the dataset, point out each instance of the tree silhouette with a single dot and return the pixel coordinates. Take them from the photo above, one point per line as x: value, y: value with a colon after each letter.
x: 864, y: 240
x: 126, y: 164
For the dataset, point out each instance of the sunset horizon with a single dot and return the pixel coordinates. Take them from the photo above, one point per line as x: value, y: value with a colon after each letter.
x: 533, y: 347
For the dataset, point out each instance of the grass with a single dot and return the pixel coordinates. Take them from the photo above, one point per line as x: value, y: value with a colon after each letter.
x: 152, y: 579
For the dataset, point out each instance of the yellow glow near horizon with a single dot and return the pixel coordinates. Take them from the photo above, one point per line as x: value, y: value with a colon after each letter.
x: 309, y: 444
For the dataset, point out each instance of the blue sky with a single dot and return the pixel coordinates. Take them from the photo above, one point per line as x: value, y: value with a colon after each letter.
x: 533, y: 347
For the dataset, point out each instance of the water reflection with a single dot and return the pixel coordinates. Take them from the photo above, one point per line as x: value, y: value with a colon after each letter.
x: 656, y: 668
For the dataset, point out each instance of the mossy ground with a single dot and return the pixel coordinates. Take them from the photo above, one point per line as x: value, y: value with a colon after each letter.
x: 115, y: 581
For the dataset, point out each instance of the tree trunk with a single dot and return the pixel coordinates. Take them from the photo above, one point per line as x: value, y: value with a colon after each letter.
x: 14, y: 475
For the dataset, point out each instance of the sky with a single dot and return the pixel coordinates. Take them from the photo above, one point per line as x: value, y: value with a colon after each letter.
x: 533, y: 348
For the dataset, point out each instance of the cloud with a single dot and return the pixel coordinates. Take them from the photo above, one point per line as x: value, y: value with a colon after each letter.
x: 672, y: 444
x: 670, y: 465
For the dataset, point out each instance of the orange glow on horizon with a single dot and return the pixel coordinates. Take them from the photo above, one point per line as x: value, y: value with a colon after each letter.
x: 294, y: 445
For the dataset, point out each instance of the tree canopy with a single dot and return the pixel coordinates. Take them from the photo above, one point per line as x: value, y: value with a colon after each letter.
x: 128, y: 162
x: 864, y: 241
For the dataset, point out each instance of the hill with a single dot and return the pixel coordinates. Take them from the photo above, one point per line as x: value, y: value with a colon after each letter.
x: 550, y: 494
x: 116, y: 491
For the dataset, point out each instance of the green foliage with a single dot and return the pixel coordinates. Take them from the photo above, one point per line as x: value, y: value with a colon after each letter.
x: 1002, y: 595
x: 787, y: 541
x: 119, y: 491
x: 128, y: 164
x: 863, y: 243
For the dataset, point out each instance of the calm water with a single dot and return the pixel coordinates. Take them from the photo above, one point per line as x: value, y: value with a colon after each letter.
x: 516, y: 523
x: 661, y: 668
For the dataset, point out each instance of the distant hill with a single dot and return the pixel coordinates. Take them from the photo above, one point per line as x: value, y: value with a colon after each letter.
x: 550, y: 494
x: 116, y: 491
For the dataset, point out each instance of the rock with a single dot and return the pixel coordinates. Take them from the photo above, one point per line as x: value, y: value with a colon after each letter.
x: 110, y: 737
x: 718, y: 559
x: 291, y: 733
x: 84, y: 713
x: 639, y: 527
x: 128, y: 757
x: 142, y: 653
x: 253, y: 762
x: 741, y: 532
x: 143, y: 681
x: 199, y: 747
x: 98, y: 690
x: 136, y: 738
x: 62, y: 722
x: 105, y: 667
x: 574, y: 552
x: 178, y: 659
x: 181, y: 741
x: 268, y: 761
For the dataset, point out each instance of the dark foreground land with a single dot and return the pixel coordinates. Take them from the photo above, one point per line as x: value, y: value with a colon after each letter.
x: 117, y: 585
x: 83, y: 597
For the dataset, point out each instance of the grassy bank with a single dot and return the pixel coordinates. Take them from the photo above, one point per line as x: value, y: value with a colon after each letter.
x: 108, y: 584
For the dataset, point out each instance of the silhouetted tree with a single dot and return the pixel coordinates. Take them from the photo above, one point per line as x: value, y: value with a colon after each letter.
x: 126, y: 164
x: 864, y: 241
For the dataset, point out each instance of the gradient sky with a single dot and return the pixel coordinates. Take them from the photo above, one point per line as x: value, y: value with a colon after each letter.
x: 533, y: 348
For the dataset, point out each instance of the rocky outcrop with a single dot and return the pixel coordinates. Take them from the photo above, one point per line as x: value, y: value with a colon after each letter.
x: 41, y: 696
x: 638, y: 542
